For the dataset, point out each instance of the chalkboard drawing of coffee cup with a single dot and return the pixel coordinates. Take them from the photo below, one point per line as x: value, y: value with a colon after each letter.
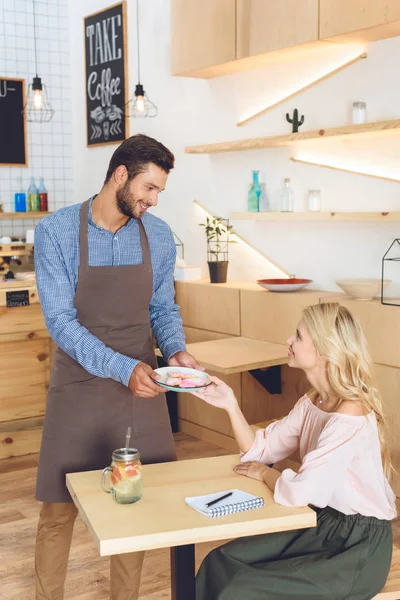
x: 106, y: 76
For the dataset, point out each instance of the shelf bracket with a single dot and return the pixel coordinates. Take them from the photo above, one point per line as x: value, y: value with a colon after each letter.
x: 270, y: 379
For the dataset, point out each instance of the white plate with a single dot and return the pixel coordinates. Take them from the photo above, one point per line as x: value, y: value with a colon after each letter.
x: 282, y: 287
x: 165, y: 371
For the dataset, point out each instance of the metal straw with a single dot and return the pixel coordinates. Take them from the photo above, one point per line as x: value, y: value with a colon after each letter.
x: 128, y: 437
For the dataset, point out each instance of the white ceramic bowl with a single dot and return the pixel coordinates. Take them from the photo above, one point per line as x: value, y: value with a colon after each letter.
x: 362, y: 289
x: 283, y: 285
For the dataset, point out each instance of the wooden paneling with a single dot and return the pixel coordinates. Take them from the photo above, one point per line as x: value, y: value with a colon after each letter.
x: 25, y: 373
x: 214, y: 307
x: 388, y: 384
x: 194, y: 335
x: 359, y: 20
x: 267, y: 25
x: 273, y: 316
x: 381, y: 326
x: 259, y: 405
x: 207, y: 435
x: 202, y: 34
x: 21, y: 319
x: 197, y: 411
x: 20, y: 437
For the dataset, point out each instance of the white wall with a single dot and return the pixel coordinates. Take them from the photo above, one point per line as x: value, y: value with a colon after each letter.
x: 49, y: 144
x: 196, y: 111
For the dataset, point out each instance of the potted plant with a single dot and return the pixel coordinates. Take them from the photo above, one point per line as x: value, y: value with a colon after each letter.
x: 218, y: 232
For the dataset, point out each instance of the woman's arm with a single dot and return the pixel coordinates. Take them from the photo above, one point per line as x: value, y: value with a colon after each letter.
x: 221, y: 395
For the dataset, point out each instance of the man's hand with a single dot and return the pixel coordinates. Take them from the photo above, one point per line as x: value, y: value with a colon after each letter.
x: 141, y: 383
x: 184, y: 359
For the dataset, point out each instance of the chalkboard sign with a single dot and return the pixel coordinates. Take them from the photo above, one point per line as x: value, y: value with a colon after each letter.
x: 106, y: 76
x: 12, y: 123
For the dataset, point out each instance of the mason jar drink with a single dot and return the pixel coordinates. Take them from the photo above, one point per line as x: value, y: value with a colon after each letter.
x: 126, y: 476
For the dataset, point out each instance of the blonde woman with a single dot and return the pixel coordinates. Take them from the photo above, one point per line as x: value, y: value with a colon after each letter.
x: 339, y: 430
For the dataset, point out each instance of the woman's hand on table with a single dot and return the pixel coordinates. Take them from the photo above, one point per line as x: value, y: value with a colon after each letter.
x: 259, y: 471
x: 218, y: 394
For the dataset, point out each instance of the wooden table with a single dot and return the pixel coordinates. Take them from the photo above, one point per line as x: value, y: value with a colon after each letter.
x: 238, y: 354
x: 162, y: 519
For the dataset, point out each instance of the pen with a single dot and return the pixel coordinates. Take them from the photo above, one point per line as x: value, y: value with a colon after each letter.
x: 218, y: 499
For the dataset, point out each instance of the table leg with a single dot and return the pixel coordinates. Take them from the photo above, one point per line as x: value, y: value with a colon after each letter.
x: 183, y: 573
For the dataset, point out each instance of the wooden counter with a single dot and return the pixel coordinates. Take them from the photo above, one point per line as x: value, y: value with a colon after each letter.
x: 25, y: 358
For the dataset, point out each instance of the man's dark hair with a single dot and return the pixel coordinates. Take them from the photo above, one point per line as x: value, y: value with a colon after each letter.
x: 137, y: 152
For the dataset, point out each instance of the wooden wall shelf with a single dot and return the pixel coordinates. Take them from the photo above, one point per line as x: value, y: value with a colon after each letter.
x: 23, y: 215
x: 379, y: 127
x: 317, y: 216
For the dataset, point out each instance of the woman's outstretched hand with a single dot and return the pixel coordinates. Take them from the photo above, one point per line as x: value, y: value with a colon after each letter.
x: 217, y: 394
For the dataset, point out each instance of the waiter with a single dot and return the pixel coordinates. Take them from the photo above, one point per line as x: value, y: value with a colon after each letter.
x: 104, y: 273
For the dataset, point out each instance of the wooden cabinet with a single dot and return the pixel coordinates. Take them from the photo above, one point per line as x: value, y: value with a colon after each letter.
x: 359, y: 20
x: 26, y: 352
x: 210, y: 38
x: 267, y: 25
x: 202, y: 34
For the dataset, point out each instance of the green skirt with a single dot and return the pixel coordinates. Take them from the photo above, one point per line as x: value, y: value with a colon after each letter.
x: 345, y: 556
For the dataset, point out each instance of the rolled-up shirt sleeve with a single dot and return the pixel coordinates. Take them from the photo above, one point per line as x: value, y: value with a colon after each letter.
x: 279, y: 440
x: 323, y: 469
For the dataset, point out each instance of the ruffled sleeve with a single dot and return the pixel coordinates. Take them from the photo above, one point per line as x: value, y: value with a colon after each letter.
x: 279, y: 440
x: 323, y: 469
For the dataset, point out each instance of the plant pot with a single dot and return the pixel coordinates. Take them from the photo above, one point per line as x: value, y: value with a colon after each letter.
x: 218, y: 270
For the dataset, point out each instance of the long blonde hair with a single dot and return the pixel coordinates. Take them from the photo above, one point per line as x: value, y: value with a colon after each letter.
x: 338, y: 337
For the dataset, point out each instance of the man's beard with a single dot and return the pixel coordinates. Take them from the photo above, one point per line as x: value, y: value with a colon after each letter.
x: 125, y: 202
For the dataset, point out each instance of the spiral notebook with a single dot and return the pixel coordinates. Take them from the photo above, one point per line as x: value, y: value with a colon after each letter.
x: 238, y: 502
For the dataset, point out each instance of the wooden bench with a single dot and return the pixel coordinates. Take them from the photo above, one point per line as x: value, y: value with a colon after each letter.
x: 391, y: 591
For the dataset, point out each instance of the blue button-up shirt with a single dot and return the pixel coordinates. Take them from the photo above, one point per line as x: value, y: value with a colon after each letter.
x: 57, y: 262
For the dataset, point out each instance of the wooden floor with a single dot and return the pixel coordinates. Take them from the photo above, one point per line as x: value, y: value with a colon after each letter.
x: 88, y: 576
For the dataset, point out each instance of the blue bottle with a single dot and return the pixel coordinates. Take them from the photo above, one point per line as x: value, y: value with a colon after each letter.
x: 20, y: 198
x: 252, y: 200
x: 257, y: 186
x: 254, y: 193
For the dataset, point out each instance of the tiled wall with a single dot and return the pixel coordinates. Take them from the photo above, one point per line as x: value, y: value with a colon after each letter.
x: 49, y: 144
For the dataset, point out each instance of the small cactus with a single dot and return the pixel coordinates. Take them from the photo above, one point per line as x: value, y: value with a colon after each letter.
x: 295, y: 120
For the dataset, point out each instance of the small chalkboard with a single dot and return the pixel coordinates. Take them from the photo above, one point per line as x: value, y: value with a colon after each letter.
x: 12, y: 123
x: 17, y: 298
x: 106, y: 76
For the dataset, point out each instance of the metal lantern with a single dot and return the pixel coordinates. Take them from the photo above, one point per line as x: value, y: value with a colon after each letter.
x: 140, y: 106
x: 390, y: 260
x: 37, y: 108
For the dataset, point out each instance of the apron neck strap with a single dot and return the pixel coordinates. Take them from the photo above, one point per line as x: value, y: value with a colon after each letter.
x: 144, y: 242
x: 83, y: 238
x: 83, y: 235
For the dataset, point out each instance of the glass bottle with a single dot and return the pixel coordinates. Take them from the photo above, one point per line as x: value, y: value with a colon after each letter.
x: 20, y: 198
x: 33, y: 196
x: 257, y: 186
x: 264, y: 205
x: 314, y: 200
x: 252, y: 199
x: 359, y: 113
x: 286, y: 197
x: 42, y: 192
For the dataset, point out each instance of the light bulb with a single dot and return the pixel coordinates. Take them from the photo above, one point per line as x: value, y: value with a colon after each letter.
x: 140, y: 103
x: 37, y: 99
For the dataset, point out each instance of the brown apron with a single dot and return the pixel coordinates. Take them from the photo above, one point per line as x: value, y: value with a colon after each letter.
x: 87, y: 416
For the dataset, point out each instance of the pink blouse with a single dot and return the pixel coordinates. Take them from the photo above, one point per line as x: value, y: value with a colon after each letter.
x: 341, y: 461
